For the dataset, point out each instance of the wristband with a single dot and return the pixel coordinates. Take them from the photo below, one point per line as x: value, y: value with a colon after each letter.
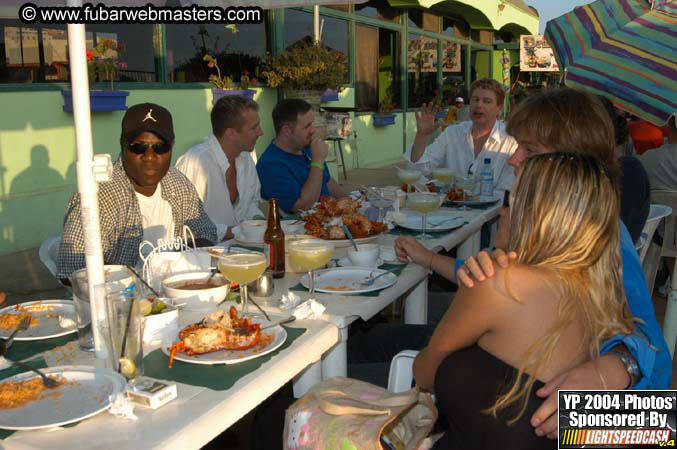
x: 317, y: 164
x: 630, y: 365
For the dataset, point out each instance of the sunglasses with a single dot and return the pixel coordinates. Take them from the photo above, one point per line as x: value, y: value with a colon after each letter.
x: 141, y: 147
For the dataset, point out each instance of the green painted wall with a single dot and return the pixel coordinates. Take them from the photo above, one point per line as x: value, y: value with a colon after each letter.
x: 37, y: 152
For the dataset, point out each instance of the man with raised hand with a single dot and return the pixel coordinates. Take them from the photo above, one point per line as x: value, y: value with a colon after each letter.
x: 464, y: 146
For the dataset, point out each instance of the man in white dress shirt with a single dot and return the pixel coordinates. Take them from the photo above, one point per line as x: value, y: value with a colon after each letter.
x: 463, y: 147
x: 222, y: 168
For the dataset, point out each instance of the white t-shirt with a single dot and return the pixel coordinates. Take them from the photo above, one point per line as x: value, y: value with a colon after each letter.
x: 156, y: 215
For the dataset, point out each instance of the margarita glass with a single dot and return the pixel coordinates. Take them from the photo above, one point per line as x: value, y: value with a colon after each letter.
x: 445, y: 176
x: 468, y: 184
x: 424, y: 202
x: 310, y: 254
x: 242, y: 268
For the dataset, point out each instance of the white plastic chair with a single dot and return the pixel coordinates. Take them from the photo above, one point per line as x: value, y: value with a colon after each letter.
x: 669, y: 250
x: 49, y: 250
x: 656, y: 214
x: 401, y: 371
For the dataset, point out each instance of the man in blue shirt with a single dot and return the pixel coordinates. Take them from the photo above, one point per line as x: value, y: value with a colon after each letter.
x: 293, y: 168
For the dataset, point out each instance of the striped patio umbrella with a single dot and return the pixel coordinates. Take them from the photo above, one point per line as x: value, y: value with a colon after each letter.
x: 623, y: 49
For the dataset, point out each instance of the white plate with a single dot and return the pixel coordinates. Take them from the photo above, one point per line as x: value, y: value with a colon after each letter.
x: 47, y: 312
x: 90, y: 393
x: 477, y: 201
x: 235, y: 356
x: 345, y: 262
x: 349, y: 276
x: 414, y: 221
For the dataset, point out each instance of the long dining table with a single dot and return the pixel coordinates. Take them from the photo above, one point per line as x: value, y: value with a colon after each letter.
x: 196, y: 416
x: 411, y: 285
x: 200, y: 413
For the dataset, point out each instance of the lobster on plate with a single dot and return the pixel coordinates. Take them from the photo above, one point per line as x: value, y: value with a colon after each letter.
x: 217, y: 331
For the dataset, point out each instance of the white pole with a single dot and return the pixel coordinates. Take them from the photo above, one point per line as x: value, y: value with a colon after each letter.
x: 316, y: 22
x: 86, y: 184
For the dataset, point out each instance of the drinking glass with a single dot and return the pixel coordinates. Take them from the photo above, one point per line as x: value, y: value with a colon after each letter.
x: 117, y: 279
x: 126, y: 324
x: 424, y: 202
x: 445, y: 176
x: 381, y: 203
x: 310, y: 254
x: 242, y: 268
x: 468, y: 184
x: 408, y: 176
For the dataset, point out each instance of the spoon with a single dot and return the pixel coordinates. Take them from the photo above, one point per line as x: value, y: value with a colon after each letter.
x: 350, y: 236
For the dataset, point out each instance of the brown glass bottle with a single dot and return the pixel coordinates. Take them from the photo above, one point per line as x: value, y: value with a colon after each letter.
x: 274, y: 241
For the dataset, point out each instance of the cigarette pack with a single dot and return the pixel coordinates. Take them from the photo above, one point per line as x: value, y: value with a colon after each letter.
x: 152, y: 393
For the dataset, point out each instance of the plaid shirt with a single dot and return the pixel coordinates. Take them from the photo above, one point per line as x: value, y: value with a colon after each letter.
x: 121, y: 222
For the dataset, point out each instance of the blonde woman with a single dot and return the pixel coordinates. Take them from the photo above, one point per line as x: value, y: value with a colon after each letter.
x: 546, y: 313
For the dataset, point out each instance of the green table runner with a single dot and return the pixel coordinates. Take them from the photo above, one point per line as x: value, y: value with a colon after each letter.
x: 399, y: 267
x: 21, y: 350
x: 218, y: 377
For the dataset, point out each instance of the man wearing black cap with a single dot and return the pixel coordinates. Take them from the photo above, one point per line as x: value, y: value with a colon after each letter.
x: 131, y: 207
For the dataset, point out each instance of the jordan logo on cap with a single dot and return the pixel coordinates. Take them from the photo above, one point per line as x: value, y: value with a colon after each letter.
x: 149, y: 116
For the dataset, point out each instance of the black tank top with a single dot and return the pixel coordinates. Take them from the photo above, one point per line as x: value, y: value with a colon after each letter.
x: 467, y: 382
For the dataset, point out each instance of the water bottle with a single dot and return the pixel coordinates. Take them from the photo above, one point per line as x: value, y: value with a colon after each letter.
x: 487, y: 179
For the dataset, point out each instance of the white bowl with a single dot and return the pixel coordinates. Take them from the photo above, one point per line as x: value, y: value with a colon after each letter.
x: 366, y: 255
x: 196, y: 299
x: 292, y: 226
x: 253, y: 230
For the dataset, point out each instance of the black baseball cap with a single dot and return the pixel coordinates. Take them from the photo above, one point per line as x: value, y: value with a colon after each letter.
x: 147, y: 117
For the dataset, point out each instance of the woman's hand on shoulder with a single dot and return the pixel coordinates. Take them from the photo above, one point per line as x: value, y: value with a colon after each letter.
x: 481, y: 266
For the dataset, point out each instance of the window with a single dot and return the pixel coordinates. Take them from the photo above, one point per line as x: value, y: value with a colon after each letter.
x: 379, y: 9
x: 377, y: 67
x: 455, y: 27
x: 422, y: 69
x: 453, y: 72
x: 298, y: 26
x: 39, y: 53
x: 415, y: 18
x: 424, y: 20
x: 237, y: 48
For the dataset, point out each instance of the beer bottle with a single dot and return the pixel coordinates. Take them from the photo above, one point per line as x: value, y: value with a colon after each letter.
x: 274, y: 240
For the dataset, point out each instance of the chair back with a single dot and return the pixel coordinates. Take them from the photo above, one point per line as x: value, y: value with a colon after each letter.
x: 653, y: 252
x: 49, y: 250
x: 656, y: 214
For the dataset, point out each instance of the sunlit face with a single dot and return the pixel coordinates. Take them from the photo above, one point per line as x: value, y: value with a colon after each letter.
x: 147, y: 169
x: 483, y: 107
x: 527, y: 148
x: 245, y: 138
x: 303, y: 132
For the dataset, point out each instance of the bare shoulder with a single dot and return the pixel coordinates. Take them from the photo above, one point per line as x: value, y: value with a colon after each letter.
x: 518, y: 283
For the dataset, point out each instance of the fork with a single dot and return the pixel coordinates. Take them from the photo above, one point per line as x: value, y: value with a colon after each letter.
x: 48, y: 382
x: 370, y: 281
x: 23, y: 326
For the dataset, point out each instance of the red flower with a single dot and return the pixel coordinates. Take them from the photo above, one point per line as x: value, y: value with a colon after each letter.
x: 90, y: 55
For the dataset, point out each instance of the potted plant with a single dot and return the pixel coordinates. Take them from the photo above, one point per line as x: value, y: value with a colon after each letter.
x: 102, y: 65
x: 384, y: 116
x: 223, y: 85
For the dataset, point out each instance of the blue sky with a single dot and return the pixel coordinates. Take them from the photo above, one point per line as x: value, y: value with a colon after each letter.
x: 549, y: 9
